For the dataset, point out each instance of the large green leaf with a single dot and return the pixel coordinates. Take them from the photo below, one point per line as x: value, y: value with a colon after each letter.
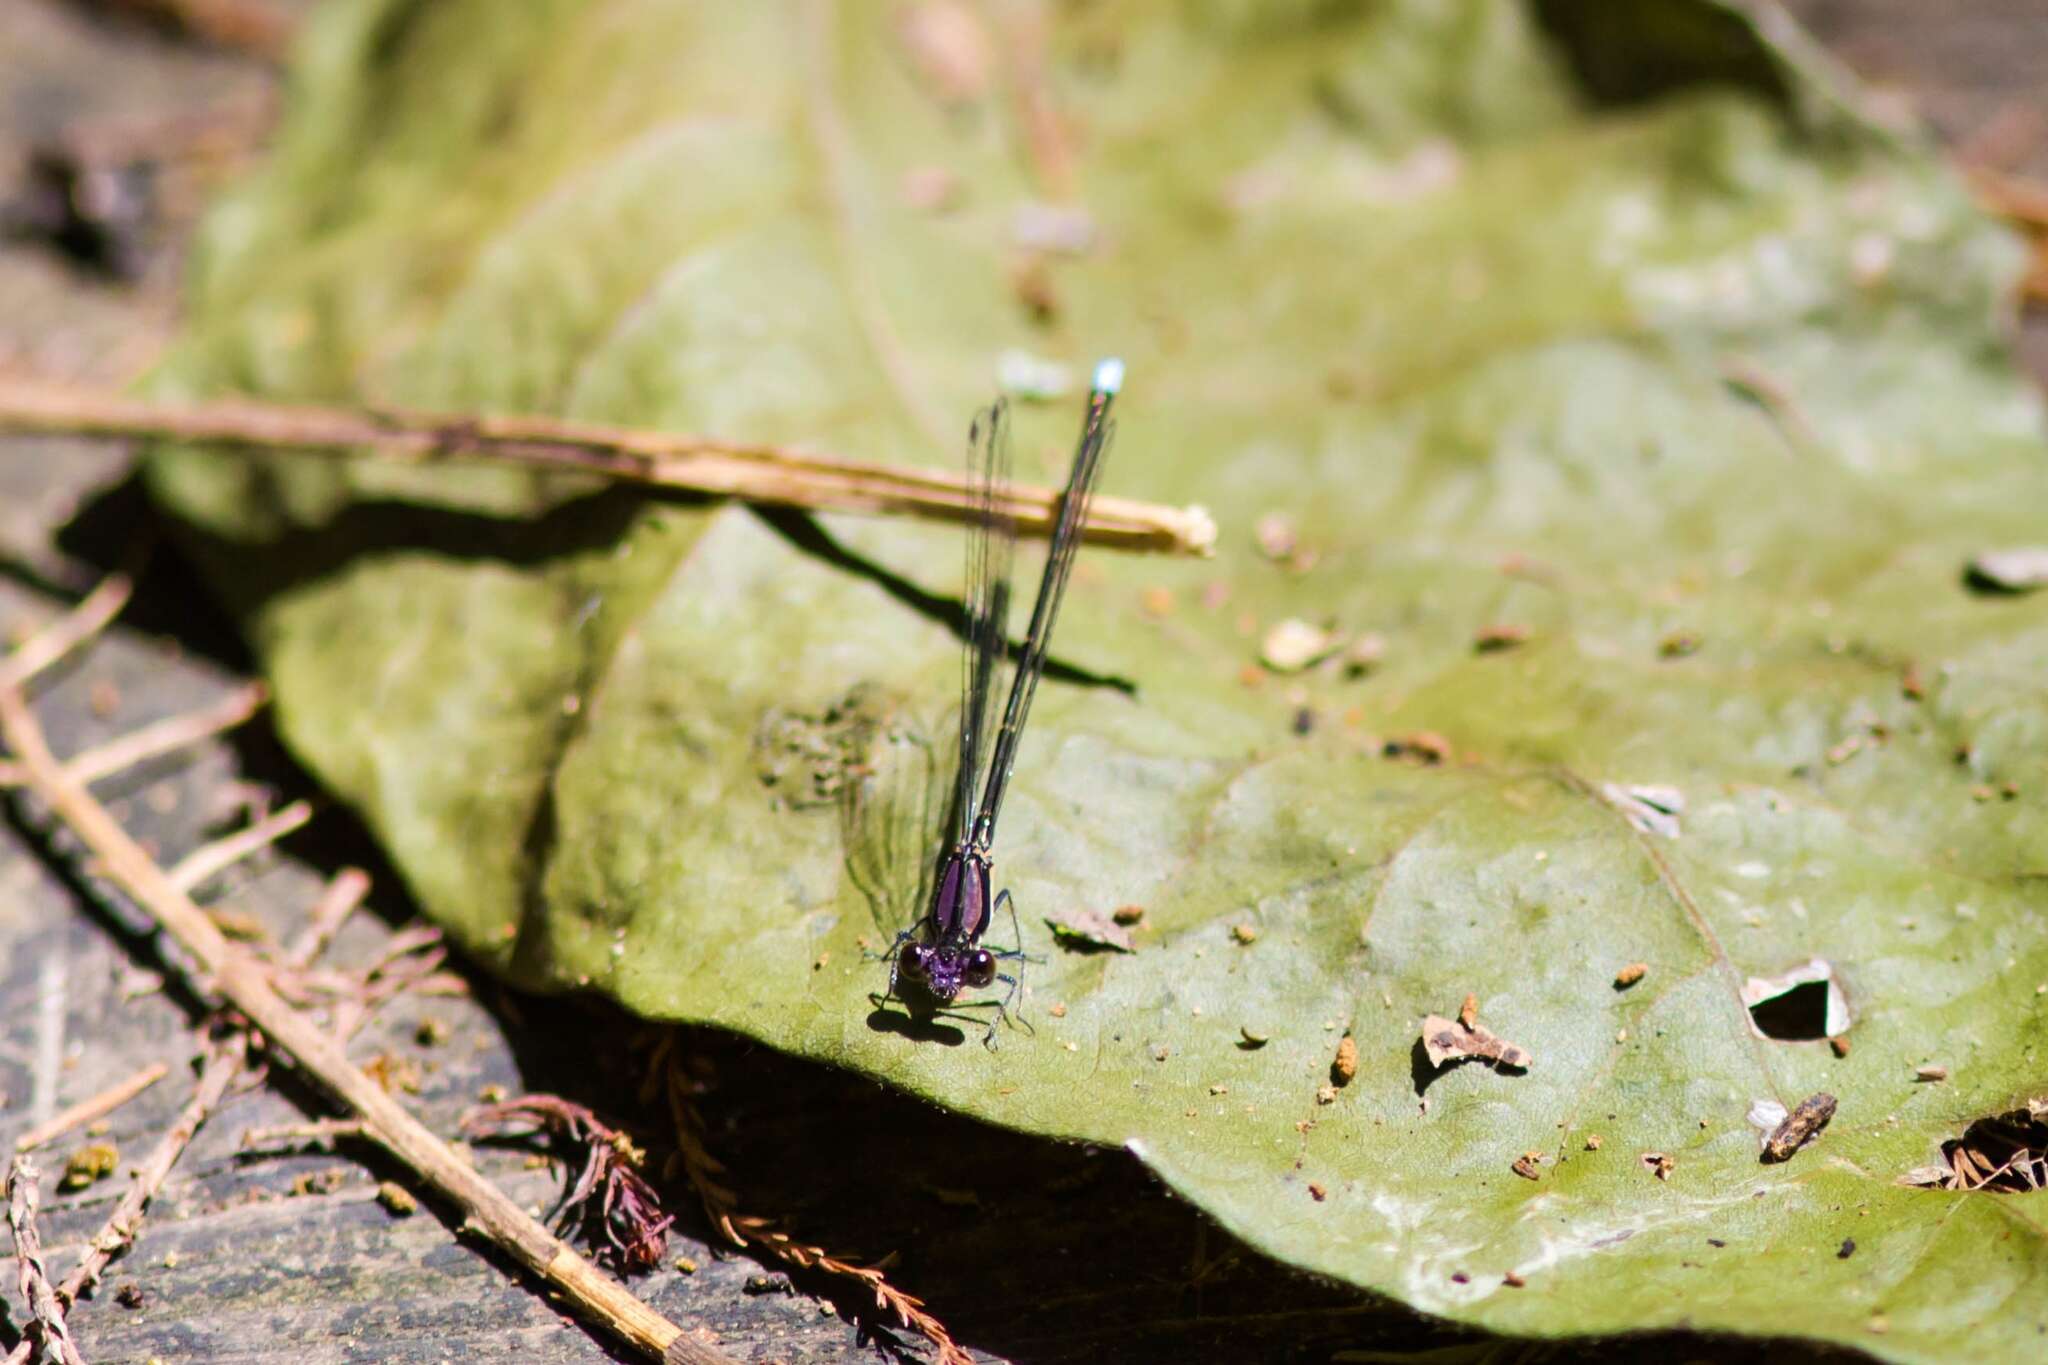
x: 1613, y: 323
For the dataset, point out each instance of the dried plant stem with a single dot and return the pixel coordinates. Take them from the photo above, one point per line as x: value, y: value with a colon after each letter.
x: 319, y: 1134
x: 223, y: 1062
x: 68, y: 631
x: 155, y: 739
x: 241, y: 978
x: 43, y: 1304
x: 335, y: 905
x: 85, y: 1111
x: 745, y: 1229
x: 779, y: 475
x: 209, y: 860
x: 220, y: 1064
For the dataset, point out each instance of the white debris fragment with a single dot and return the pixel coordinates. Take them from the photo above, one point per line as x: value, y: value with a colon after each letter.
x: 1651, y: 809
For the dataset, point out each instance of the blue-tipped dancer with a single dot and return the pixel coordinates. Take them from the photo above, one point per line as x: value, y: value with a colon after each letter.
x: 942, y: 954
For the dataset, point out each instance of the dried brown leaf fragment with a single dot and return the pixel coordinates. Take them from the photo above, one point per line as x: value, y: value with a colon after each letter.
x: 1450, y: 1040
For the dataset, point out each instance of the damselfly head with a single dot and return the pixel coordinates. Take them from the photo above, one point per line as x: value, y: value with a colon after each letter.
x: 943, y: 970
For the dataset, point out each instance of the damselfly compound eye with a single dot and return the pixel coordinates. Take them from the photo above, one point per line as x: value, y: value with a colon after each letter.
x: 912, y: 960
x: 981, y: 967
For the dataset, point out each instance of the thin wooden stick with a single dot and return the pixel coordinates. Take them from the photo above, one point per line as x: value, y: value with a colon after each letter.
x: 335, y: 905
x: 43, y: 1306
x: 242, y: 980
x: 319, y: 1134
x: 85, y: 1111
x: 779, y: 475
x: 223, y: 1062
x: 157, y: 738
x: 68, y: 631
x: 210, y: 860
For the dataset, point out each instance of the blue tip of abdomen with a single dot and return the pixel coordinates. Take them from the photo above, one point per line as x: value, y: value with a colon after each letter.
x: 1109, y: 375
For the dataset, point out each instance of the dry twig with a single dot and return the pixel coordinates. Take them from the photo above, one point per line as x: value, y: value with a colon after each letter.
x: 155, y: 739
x: 239, y: 977
x: 223, y: 1061
x: 51, y: 643
x: 211, y: 859
x: 330, y: 912
x: 43, y: 1304
x: 86, y: 1110
x: 318, y: 1135
x: 779, y: 475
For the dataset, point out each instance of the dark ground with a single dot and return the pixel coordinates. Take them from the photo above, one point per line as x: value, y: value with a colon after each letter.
x: 1029, y: 1251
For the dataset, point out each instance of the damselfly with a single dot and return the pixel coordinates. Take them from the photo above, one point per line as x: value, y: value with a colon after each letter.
x: 942, y: 954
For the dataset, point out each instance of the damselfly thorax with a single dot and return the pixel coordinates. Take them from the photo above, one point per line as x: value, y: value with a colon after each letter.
x: 949, y: 958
